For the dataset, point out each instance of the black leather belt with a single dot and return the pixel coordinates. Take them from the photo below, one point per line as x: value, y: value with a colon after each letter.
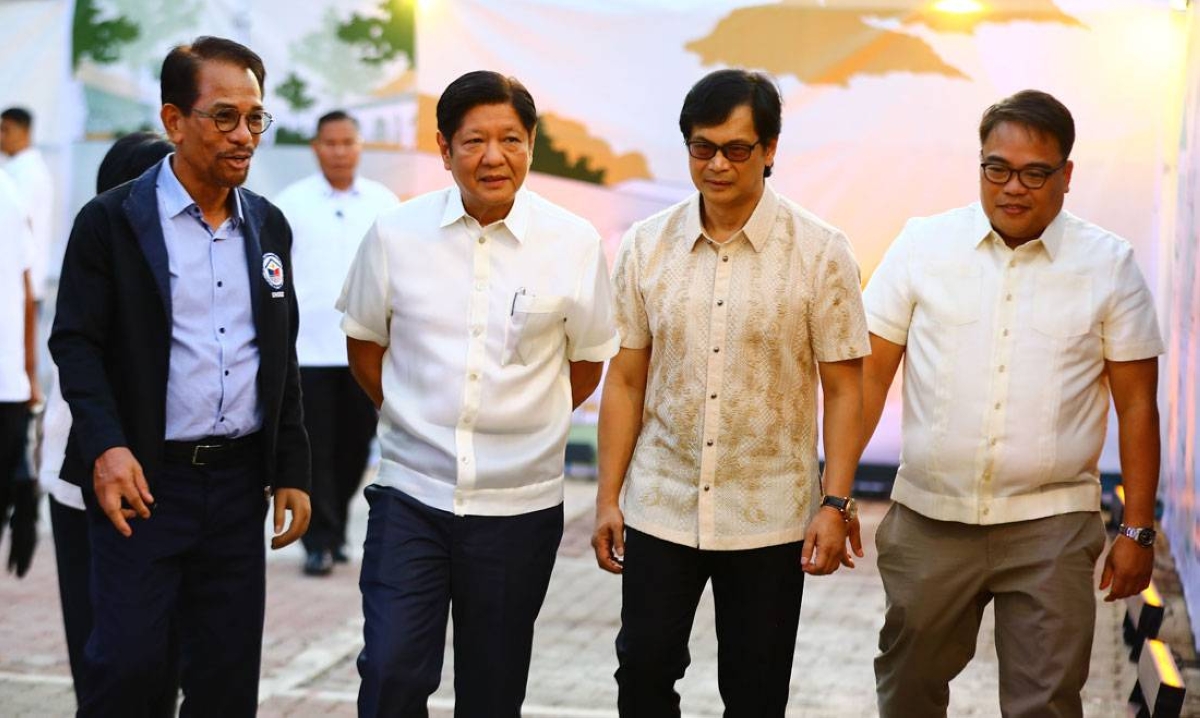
x: 213, y: 450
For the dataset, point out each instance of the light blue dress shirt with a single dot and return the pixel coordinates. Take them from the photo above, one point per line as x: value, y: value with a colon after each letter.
x: 212, y: 385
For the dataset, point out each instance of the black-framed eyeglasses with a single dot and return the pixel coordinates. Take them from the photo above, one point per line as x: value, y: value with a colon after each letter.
x: 227, y: 119
x: 733, y: 151
x: 1030, y: 177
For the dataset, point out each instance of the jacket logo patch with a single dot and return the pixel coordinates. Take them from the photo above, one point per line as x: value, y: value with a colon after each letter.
x: 272, y: 268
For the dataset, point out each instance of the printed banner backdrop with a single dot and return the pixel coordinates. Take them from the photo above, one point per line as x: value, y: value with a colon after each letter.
x: 882, y: 100
x: 1180, y: 388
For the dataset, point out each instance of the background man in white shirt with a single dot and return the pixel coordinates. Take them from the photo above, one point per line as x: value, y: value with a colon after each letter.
x: 35, y: 186
x: 730, y: 304
x: 329, y: 212
x: 477, y: 317
x: 18, y: 378
x: 1015, y: 320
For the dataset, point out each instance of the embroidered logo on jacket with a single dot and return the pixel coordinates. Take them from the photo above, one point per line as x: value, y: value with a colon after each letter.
x: 273, y: 270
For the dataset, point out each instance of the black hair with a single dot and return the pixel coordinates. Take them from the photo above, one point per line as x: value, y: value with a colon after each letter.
x: 179, y: 85
x: 1036, y: 110
x: 713, y: 99
x: 19, y: 115
x: 129, y: 157
x: 483, y: 87
x: 335, y: 116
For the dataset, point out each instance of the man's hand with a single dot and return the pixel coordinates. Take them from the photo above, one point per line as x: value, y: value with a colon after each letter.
x: 1127, y: 569
x: 609, y: 539
x: 296, y: 501
x: 825, y: 543
x: 117, y: 477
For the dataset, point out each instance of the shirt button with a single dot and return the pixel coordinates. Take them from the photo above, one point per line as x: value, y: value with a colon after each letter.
x: 709, y: 442
x: 706, y: 487
x: 716, y: 350
x: 720, y: 302
x: 1012, y: 263
x: 725, y: 258
x: 226, y: 372
x: 220, y: 284
x: 985, y: 511
x: 222, y: 419
x: 465, y: 460
x: 1008, y: 297
x: 1005, y: 332
x: 997, y: 406
x: 474, y: 377
x: 482, y: 240
x: 712, y: 396
x: 992, y: 442
x: 1001, y: 368
x: 476, y: 332
x: 222, y: 330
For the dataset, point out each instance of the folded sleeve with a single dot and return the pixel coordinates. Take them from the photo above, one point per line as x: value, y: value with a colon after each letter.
x: 365, y: 299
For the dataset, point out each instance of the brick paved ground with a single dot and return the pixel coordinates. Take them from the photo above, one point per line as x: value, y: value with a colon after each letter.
x: 313, y: 634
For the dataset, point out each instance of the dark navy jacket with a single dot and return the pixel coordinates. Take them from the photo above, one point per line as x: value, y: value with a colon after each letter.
x: 112, y: 335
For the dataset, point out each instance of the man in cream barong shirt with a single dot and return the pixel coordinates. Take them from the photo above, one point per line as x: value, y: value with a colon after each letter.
x: 477, y: 317
x: 729, y: 305
x: 1015, y: 320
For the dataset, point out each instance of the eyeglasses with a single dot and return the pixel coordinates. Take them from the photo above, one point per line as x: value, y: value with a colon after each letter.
x: 1030, y: 177
x: 733, y: 151
x: 227, y: 119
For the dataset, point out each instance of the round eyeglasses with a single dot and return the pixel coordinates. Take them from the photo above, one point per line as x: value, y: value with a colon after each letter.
x: 227, y: 118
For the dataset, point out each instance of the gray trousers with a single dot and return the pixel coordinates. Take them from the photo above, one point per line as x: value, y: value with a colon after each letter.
x: 939, y: 576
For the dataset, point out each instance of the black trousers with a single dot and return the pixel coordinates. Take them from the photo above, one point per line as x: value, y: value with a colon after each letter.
x: 340, y: 420
x: 74, y: 557
x: 757, y: 594
x: 419, y: 564
x: 14, y: 433
x: 199, y: 563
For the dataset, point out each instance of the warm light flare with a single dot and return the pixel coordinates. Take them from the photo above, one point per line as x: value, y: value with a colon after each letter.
x: 1151, y: 596
x: 959, y: 7
x: 1164, y: 663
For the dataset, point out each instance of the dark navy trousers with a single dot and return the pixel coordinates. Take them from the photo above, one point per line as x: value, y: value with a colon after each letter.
x: 419, y: 566
x: 200, y: 559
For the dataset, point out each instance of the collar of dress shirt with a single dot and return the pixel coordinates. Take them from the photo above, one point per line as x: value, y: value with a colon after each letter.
x: 329, y: 190
x: 175, y: 197
x: 517, y: 221
x: 1052, y: 236
x: 757, y: 229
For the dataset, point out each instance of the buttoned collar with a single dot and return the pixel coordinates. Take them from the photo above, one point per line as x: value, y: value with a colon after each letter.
x: 516, y: 222
x: 328, y: 190
x: 757, y: 229
x: 1051, y: 239
x: 176, y: 200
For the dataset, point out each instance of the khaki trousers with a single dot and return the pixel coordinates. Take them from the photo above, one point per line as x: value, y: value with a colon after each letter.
x: 939, y: 576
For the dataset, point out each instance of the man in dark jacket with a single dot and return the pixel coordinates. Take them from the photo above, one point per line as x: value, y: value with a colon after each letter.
x: 175, y: 342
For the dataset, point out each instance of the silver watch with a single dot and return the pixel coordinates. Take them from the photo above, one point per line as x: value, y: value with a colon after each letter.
x: 1144, y: 537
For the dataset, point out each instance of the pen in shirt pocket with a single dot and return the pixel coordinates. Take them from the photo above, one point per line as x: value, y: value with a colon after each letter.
x: 513, y: 309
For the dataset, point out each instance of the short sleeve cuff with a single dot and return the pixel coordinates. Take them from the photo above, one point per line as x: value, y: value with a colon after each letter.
x: 354, y: 330
x: 1134, y: 351
x: 599, y: 352
x: 882, y: 328
x: 844, y: 353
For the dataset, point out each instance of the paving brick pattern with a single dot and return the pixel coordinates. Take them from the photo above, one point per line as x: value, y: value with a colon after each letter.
x: 314, y: 627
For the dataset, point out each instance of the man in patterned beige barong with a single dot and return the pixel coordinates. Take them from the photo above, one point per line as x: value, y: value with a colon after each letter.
x: 730, y: 304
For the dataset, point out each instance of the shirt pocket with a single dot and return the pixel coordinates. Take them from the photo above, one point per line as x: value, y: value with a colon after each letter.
x: 1062, y: 304
x: 952, y: 292
x: 534, y: 329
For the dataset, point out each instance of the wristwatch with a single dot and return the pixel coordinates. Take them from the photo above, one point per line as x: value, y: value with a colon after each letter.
x: 1143, y: 536
x: 846, y: 505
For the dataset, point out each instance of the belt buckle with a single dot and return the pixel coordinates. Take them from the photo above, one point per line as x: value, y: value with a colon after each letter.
x: 196, y: 453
